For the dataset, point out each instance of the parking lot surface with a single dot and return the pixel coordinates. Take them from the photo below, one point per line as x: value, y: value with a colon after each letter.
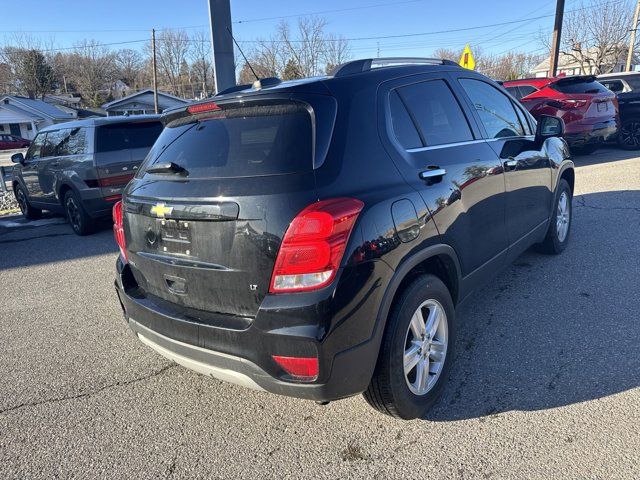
x: 545, y: 383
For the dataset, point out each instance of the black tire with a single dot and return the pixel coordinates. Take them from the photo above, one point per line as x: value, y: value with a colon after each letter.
x: 27, y: 210
x: 585, y: 149
x: 629, y: 134
x: 553, y: 242
x: 80, y: 221
x: 389, y: 391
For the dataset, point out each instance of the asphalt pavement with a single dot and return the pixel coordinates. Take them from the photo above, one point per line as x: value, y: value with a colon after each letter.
x: 545, y: 383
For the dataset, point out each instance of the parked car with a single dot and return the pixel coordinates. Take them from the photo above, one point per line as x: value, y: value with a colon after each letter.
x: 80, y: 168
x: 313, y: 238
x: 626, y: 86
x: 11, y: 142
x: 589, y: 110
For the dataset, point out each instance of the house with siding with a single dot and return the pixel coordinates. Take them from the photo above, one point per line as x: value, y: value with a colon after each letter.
x: 24, y: 116
x: 141, y: 103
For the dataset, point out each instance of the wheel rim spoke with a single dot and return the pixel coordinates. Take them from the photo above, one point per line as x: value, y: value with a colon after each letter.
x: 417, y: 324
x: 422, y: 375
x: 411, y: 357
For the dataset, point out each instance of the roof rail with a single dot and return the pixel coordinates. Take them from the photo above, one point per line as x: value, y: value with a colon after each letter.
x: 366, y: 64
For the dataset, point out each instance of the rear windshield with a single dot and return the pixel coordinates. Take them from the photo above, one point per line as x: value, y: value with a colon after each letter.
x: 121, y: 136
x: 239, y: 142
x: 579, y: 85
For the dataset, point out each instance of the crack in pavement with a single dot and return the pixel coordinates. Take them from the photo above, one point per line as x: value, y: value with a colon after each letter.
x: 89, y: 393
x: 582, y: 202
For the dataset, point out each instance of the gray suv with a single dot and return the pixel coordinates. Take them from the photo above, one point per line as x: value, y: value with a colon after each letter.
x: 80, y: 168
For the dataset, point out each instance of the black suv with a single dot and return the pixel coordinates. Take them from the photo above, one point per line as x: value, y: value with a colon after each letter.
x: 80, y: 168
x: 626, y: 86
x: 313, y: 238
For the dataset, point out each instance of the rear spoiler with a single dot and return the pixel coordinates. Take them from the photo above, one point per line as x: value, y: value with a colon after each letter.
x: 573, y: 79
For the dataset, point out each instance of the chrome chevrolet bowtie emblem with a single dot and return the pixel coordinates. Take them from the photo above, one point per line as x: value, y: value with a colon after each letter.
x: 160, y: 210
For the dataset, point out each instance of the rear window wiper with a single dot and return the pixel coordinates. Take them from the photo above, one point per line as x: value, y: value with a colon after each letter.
x: 167, y: 167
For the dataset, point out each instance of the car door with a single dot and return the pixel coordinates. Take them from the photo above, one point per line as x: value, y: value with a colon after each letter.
x: 49, y: 165
x: 438, y: 149
x: 527, y: 169
x: 4, y: 142
x: 30, y: 168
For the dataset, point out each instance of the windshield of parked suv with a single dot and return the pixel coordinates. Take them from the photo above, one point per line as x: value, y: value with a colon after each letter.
x: 238, y: 142
x: 120, y: 136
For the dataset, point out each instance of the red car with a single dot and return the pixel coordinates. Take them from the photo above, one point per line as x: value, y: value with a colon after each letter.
x: 10, y: 142
x: 589, y: 110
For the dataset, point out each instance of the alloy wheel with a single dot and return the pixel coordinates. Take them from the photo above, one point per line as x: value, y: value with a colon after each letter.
x: 22, y: 200
x: 425, y: 347
x: 73, y: 213
x: 563, y: 217
x: 630, y: 133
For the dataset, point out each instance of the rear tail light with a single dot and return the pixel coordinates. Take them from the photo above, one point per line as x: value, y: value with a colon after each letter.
x: 118, y: 229
x: 304, y: 369
x: 313, y: 245
x: 568, y: 104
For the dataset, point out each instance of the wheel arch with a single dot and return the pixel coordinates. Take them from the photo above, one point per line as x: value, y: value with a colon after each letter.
x: 62, y: 191
x: 440, y: 260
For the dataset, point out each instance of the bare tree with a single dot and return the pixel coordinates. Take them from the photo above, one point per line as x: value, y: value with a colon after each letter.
x: 306, y: 51
x: 596, y: 36
x: 93, y: 71
x: 201, y: 68
x: 26, y: 68
x: 172, y: 48
x: 129, y: 63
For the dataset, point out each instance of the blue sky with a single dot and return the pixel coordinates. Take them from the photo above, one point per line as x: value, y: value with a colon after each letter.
x: 64, y: 22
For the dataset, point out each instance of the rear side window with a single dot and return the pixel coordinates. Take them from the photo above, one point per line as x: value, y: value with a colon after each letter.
x: 73, y: 142
x: 614, y: 85
x: 496, y: 112
x: 403, y: 127
x: 239, y: 142
x: 579, y: 85
x: 121, y: 136
x: 515, y: 92
x: 526, y: 90
x: 435, y: 112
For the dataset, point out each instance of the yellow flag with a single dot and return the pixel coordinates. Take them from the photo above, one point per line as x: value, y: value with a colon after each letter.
x: 466, y: 59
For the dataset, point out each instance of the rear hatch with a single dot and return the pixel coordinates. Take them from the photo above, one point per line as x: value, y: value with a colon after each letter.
x: 205, y: 232
x: 589, y: 101
x: 120, y: 149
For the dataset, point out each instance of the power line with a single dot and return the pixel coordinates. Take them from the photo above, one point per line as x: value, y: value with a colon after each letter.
x: 378, y: 37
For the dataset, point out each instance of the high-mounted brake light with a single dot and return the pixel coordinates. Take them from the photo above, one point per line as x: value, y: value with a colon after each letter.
x: 203, y: 107
x: 118, y: 229
x: 304, y: 369
x: 313, y: 245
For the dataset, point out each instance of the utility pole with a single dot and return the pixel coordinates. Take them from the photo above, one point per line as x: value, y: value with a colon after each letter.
x: 632, y: 41
x: 555, y: 44
x: 155, y: 70
x: 224, y: 64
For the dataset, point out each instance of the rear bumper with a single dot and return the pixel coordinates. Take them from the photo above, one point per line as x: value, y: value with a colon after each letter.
x: 240, y: 352
x: 592, y: 134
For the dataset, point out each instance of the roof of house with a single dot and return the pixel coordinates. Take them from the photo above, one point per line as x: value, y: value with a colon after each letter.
x: 35, y: 108
x: 128, y: 98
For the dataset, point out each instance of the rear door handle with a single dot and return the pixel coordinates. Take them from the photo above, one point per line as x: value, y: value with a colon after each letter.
x: 433, y: 173
x: 55, y: 164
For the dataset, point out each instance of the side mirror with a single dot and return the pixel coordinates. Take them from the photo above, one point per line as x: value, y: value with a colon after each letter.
x: 17, y: 158
x: 548, y: 127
